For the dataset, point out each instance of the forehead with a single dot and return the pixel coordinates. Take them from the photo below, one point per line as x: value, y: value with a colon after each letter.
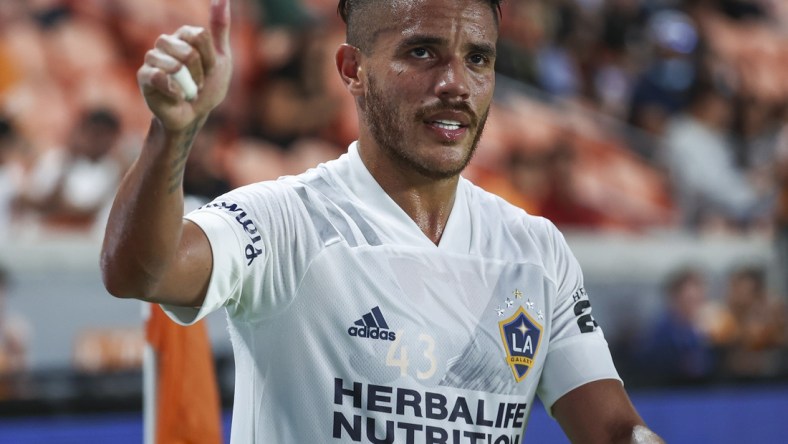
x: 468, y: 19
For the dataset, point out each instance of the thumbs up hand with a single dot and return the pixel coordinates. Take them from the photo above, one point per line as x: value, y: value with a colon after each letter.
x: 191, y: 57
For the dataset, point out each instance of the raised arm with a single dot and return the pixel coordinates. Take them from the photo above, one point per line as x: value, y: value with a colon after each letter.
x: 600, y: 412
x: 149, y: 252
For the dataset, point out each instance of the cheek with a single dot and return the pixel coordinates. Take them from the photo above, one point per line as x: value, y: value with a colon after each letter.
x: 398, y: 70
x: 483, y: 87
x: 405, y: 81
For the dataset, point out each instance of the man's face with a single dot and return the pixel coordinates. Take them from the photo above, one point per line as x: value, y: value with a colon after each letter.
x: 429, y: 83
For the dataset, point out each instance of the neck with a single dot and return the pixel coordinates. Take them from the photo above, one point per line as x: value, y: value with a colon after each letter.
x: 428, y: 206
x: 428, y: 201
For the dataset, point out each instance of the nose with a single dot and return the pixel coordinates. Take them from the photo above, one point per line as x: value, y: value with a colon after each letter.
x: 452, y: 82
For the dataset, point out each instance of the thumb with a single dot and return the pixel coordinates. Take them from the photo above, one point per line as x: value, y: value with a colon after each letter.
x: 220, y: 25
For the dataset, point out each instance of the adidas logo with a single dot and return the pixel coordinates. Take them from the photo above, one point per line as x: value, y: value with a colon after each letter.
x: 372, y: 325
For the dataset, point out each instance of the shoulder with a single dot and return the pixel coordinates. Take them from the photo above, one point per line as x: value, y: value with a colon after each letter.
x: 270, y: 209
x: 258, y: 196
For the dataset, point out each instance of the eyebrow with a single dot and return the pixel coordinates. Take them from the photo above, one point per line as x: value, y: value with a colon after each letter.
x: 485, y: 49
x: 421, y: 40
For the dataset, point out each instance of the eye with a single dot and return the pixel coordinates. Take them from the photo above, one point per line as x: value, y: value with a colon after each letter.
x: 478, y: 59
x: 420, y: 53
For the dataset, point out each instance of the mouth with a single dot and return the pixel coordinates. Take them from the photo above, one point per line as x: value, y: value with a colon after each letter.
x: 451, y: 125
x: 448, y: 126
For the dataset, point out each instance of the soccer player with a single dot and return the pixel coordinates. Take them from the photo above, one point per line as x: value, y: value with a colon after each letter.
x: 380, y: 297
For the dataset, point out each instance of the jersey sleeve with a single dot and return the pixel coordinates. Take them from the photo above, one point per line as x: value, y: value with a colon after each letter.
x: 239, y: 251
x: 578, y: 353
x: 262, y: 245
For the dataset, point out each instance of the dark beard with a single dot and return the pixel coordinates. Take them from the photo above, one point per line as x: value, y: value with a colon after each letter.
x: 387, y: 129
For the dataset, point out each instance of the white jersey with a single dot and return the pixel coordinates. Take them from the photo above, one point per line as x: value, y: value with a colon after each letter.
x: 349, y: 325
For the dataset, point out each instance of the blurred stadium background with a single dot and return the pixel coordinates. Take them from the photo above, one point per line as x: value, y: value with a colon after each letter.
x: 654, y: 133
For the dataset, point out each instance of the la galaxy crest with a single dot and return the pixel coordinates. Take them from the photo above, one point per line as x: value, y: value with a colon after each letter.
x: 521, y: 336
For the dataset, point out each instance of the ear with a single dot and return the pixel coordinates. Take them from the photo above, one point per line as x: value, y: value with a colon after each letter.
x: 348, y: 59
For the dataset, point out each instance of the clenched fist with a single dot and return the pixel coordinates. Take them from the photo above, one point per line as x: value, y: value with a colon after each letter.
x: 207, y: 56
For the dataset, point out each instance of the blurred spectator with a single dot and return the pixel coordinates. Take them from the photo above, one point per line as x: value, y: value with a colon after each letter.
x: 662, y: 89
x: 564, y: 164
x: 283, y: 13
x: 30, y: 95
x: 10, y: 148
x: 758, y: 128
x: 675, y: 349
x: 609, y: 47
x: 523, y: 30
x: 14, y: 333
x: 620, y: 36
x: 713, y: 193
x: 294, y: 100
x: 750, y: 328
x: 781, y: 218
x: 557, y: 64
x: 529, y: 177
x: 563, y: 204
x: 72, y: 186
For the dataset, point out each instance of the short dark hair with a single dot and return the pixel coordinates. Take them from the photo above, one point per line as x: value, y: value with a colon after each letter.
x: 356, y: 31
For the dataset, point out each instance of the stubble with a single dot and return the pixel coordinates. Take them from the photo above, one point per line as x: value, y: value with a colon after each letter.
x: 389, y: 129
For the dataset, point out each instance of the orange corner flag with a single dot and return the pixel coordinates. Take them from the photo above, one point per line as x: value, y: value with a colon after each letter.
x: 187, y: 396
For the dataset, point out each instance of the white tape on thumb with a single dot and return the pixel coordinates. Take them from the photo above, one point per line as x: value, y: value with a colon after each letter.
x: 186, y: 82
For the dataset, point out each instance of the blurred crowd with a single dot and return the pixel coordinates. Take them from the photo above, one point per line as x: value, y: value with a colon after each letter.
x: 610, y: 115
x: 731, y: 331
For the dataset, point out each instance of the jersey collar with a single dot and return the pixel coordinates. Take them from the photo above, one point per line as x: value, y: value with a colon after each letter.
x: 392, y: 220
